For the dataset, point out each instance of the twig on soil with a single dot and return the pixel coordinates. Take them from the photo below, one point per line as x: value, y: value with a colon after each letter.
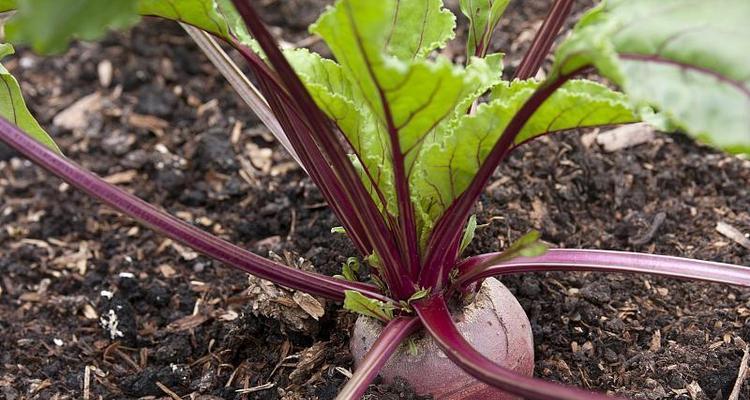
x: 86, y: 383
x: 253, y: 389
x: 741, y: 375
x: 733, y: 233
x: 166, y: 390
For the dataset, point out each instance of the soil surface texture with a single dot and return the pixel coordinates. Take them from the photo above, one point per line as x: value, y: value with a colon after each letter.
x: 94, y: 306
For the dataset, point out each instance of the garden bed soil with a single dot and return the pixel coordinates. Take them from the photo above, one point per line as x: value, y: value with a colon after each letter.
x: 94, y: 306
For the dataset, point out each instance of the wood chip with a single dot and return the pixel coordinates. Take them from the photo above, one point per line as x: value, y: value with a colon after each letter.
x: 655, y: 344
x: 625, y: 136
x: 120, y: 178
x: 89, y: 312
x: 76, y: 115
x: 309, y: 304
x: 186, y: 323
x: 167, y: 271
x: 186, y: 253
x: 153, y: 124
x: 733, y: 233
x: 104, y: 71
x: 87, y: 383
x: 694, y: 390
x: 309, y: 360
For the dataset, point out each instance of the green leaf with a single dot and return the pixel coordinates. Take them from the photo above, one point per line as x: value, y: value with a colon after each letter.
x: 418, y: 28
x: 688, y: 59
x: 381, y: 88
x: 418, y: 295
x: 350, y: 268
x: 410, y: 97
x: 483, y: 16
x: 13, y: 108
x: 447, y: 164
x: 49, y: 25
x: 357, y: 302
x: 469, y: 232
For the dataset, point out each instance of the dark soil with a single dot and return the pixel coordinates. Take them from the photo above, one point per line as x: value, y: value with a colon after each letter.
x: 172, y: 131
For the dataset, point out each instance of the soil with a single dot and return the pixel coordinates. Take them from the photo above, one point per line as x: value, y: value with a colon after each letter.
x: 94, y: 306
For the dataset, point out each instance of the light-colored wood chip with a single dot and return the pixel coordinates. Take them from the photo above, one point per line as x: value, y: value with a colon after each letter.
x: 733, y: 233
x: 123, y: 177
x: 655, y: 344
x: 76, y: 115
x: 104, y: 71
x: 150, y: 122
x: 309, y: 304
x: 625, y: 136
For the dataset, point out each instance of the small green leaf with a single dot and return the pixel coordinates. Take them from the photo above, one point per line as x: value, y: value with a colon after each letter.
x: 357, y: 302
x: 688, y: 59
x: 484, y: 16
x: 350, y: 268
x: 49, y: 25
x: 13, y: 108
x: 469, y: 232
x: 419, y: 294
x: 527, y: 245
x: 338, y: 229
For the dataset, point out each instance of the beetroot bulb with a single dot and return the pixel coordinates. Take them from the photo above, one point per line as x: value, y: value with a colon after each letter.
x: 494, y: 323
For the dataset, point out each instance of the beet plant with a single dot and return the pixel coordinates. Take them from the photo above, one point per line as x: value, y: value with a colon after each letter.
x: 401, y: 141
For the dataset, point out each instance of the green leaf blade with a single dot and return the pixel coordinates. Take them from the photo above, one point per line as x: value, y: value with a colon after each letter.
x: 483, y: 15
x: 689, y: 60
x: 49, y: 25
x: 357, y: 302
x: 418, y: 28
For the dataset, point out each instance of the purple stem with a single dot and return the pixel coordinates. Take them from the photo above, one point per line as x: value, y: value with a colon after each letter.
x: 177, y: 229
x: 330, y: 145
x: 479, y: 267
x: 389, y: 340
x: 444, y: 240
x: 437, y: 320
x: 544, y: 39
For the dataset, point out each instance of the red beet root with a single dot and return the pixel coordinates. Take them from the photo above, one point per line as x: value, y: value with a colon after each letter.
x: 494, y: 323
